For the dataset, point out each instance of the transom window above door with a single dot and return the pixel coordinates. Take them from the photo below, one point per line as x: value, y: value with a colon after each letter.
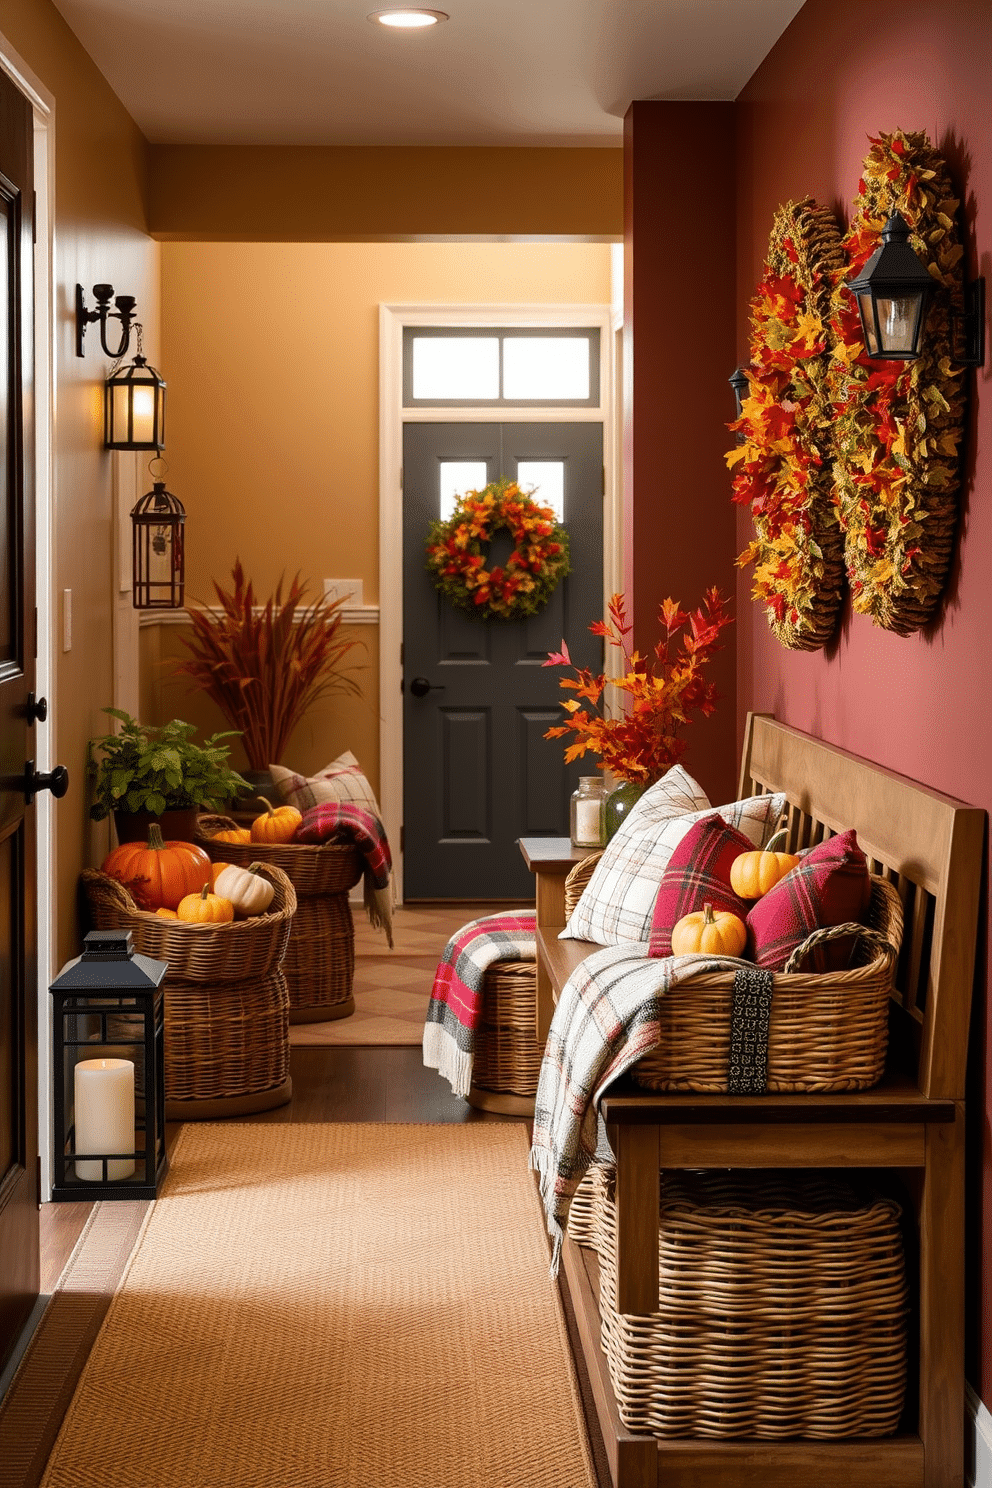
x: 477, y: 366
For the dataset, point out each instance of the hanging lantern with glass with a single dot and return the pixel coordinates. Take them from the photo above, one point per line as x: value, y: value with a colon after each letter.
x: 134, y: 406
x: 893, y: 293
x: 159, y: 551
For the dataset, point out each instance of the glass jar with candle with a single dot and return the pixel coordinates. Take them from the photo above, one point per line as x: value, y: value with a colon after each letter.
x: 586, y: 815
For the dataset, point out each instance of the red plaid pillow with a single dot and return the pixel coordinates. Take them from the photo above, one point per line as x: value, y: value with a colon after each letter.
x: 831, y: 885
x: 698, y: 873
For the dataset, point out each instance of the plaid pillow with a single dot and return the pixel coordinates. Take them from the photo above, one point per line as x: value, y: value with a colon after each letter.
x: 618, y: 901
x: 831, y: 885
x: 698, y: 873
x: 341, y: 780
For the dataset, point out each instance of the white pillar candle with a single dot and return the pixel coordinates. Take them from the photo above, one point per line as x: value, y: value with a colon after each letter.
x: 104, y: 1092
x: 587, y: 822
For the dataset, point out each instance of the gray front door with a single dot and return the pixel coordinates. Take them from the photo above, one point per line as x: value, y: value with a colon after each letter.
x: 478, y: 772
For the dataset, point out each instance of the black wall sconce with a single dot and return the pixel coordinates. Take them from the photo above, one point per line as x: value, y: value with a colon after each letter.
x: 893, y: 294
x: 738, y: 380
x: 158, y: 562
x: 123, y: 311
x: 134, y: 407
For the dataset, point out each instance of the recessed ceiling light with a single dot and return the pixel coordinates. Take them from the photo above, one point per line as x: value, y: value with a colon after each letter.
x: 408, y: 20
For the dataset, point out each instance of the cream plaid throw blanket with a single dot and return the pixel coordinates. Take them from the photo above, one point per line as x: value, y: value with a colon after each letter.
x: 606, y: 1018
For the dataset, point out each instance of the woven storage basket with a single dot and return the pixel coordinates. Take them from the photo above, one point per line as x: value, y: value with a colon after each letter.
x: 507, y: 1054
x: 320, y: 957
x: 226, y: 1002
x: 586, y: 1209
x: 827, y: 1031
x: 782, y: 1309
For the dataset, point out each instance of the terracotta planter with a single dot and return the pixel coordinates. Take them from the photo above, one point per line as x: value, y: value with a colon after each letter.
x: 177, y: 826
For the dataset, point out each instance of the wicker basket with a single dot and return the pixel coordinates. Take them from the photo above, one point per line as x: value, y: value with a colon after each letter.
x: 586, y: 1209
x: 827, y: 1031
x: 226, y: 1001
x: 320, y: 957
x: 507, y: 1054
x: 782, y: 1311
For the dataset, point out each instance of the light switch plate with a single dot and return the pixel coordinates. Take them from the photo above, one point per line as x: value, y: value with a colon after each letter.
x: 350, y: 590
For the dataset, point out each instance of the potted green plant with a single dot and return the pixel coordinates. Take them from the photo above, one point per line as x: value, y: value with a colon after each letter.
x: 265, y: 664
x: 147, y: 773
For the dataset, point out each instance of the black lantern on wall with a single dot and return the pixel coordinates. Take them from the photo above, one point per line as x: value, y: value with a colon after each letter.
x: 158, y: 566
x: 738, y: 380
x: 893, y: 293
x: 108, y: 1071
x: 134, y: 408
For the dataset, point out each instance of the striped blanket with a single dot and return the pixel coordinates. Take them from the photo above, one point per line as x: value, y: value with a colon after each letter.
x: 343, y: 821
x: 456, y: 998
x: 606, y: 1018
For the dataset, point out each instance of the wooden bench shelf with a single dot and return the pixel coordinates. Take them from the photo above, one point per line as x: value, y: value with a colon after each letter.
x: 909, y: 1129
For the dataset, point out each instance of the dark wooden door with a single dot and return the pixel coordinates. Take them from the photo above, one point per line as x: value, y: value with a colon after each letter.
x: 19, y: 1268
x: 478, y: 772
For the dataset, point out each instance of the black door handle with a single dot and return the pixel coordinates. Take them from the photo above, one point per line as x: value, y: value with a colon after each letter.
x: 36, y: 709
x: 57, y: 781
x: 420, y: 687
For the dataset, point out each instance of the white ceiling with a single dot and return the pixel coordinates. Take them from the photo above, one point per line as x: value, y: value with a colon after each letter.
x: 499, y: 72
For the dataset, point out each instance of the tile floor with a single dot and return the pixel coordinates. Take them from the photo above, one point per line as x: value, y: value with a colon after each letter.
x: 393, y: 987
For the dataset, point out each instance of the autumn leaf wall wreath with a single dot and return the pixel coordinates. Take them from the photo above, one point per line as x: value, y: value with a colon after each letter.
x: 898, y: 425
x: 457, y: 552
x: 784, y: 461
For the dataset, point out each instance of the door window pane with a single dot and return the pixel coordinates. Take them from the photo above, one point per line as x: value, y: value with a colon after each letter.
x: 457, y: 477
x: 549, y: 478
x: 456, y: 367
x: 546, y: 367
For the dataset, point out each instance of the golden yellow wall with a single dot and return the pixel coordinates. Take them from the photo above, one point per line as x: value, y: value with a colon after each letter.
x: 271, y: 355
x: 281, y: 194
x: 100, y: 236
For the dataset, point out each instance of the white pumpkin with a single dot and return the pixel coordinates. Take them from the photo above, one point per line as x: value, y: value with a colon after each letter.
x: 248, y: 891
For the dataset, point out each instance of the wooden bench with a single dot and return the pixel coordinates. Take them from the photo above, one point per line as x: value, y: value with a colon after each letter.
x: 909, y: 1127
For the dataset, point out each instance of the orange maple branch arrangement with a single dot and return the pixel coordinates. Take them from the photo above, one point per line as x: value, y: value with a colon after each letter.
x: 656, y: 694
x: 265, y: 665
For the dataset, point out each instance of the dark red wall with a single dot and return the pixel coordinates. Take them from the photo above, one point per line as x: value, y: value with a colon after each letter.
x: 922, y: 705
x: 679, y: 291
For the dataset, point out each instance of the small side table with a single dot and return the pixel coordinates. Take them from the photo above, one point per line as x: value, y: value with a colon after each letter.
x: 551, y: 860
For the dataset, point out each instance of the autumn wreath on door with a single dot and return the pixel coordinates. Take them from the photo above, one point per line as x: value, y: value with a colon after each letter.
x: 784, y: 459
x: 458, y: 553
x: 898, y: 425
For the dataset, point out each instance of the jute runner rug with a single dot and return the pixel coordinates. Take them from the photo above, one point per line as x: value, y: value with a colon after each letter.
x: 334, y: 1306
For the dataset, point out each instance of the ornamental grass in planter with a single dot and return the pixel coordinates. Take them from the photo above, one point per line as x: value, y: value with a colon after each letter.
x: 266, y: 664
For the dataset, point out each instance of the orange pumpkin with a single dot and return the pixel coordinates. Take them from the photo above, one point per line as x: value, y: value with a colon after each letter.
x: 278, y: 824
x: 232, y: 834
x: 713, y: 934
x: 167, y: 914
x: 205, y: 908
x: 752, y: 874
x: 215, y: 870
x: 166, y: 871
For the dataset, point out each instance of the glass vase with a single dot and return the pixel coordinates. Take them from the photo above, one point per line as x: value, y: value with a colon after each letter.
x: 620, y: 801
x: 587, y: 811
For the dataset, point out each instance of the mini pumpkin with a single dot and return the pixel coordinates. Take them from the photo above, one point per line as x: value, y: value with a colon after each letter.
x: 277, y: 824
x: 232, y: 834
x: 712, y: 933
x: 167, y: 914
x: 216, y: 870
x: 205, y: 908
x: 754, y: 873
x: 167, y: 871
x: 248, y: 891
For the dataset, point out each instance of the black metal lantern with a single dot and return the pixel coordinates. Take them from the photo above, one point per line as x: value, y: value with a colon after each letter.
x: 740, y: 383
x: 108, y: 1072
x: 134, y: 408
x: 158, y: 576
x: 893, y: 293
